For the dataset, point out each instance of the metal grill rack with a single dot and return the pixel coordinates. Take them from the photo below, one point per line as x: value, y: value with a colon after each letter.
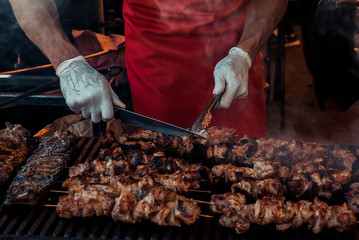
x: 42, y: 222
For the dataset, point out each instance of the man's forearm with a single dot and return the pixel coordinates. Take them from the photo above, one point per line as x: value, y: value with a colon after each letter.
x: 40, y: 21
x: 262, y: 18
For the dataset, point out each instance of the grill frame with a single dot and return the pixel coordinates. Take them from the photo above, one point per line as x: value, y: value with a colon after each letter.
x: 40, y: 222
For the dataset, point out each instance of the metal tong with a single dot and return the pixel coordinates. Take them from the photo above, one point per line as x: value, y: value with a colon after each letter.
x: 203, y: 120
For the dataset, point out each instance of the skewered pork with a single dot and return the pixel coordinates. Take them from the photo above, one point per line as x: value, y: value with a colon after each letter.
x: 160, y: 206
x: 316, y: 215
x: 302, y: 180
x: 256, y: 189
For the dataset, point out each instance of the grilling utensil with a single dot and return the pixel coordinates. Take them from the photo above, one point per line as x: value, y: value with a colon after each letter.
x: 203, y: 120
x: 137, y: 120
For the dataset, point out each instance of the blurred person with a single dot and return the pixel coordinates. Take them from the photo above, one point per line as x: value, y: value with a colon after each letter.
x: 177, y: 55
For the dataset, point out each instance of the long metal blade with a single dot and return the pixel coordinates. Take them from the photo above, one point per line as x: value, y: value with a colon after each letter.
x: 137, y: 120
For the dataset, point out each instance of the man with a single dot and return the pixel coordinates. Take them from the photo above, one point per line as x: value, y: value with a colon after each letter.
x: 172, y: 49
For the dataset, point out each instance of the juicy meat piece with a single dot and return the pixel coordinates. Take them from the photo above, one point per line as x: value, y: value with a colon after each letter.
x: 323, y: 183
x: 239, y: 221
x: 146, y: 182
x: 320, y: 217
x: 259, y: 188
x: 256, y: 211
x: 63, y: 207
x: 238, y: 153
x: 304, y: 168
x: 272, y: 212
x: 266, y: 168
x: 220, y: 152
x: 352, y: 198
x: 269, y: 187
x: 123, y: 207
x: 247, y: 187
x: 219, y: 135
x: 230, y: 173
x: 161, y: 217
x: 343, y: 177
x: 172, y: 220
x: 285, y: 172
x: 306, y: 210
x: 343, y: 156
x: 79, y: 169
x: 151, y: 203
x: 227, y: 203
x: 300, y: 185
x: 85, y: 204
x: 108, y: 189
x: 186, y: 210
x: 176, y: 182
x: 342, y: 218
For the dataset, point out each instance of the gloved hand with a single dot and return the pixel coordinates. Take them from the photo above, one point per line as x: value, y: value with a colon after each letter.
x: 86, y: 90
x: 231, y: 76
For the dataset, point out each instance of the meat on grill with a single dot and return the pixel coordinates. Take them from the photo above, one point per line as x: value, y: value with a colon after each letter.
x: 302, y: 180
x: 182, y: 177
x: 158, y: 205
x: 142, y: 171
x: 14, y: 149
x: 41, y: 170
x: 256, y: 189
x: 317, y: 214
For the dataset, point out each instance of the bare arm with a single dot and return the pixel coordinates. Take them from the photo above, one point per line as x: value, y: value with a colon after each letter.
x: 262, y: 18
x: 231, y: 73
x: 40, y: 21
x: 84, y: 89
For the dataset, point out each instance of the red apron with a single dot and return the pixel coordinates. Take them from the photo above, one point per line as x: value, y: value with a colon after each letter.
x: 172, y: 48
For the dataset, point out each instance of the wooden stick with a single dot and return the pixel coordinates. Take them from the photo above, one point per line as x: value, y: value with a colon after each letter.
x: 66, y: 192
x: 200, y: 191
x: 199, y: 201
x: 49, y: 205
x: 202, y: 215
x: 50, y: 65
x: 58, y: 191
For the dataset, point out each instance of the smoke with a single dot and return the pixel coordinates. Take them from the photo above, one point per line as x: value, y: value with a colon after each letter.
x: 80, y: 14
x: 330, y: 3
x: 10, y: 37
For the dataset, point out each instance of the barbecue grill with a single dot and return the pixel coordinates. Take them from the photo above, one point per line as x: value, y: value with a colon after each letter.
x: 42, y: 222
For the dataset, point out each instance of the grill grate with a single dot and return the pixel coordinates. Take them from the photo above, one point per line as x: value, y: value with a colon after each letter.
x: 43, y: 222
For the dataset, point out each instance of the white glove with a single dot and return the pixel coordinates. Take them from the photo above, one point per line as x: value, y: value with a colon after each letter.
x: 86, y: 90
x: 231, y: 76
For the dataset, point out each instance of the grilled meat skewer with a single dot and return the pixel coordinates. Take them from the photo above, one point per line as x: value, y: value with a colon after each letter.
x: 317, y: 215
x: 160, y: 206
